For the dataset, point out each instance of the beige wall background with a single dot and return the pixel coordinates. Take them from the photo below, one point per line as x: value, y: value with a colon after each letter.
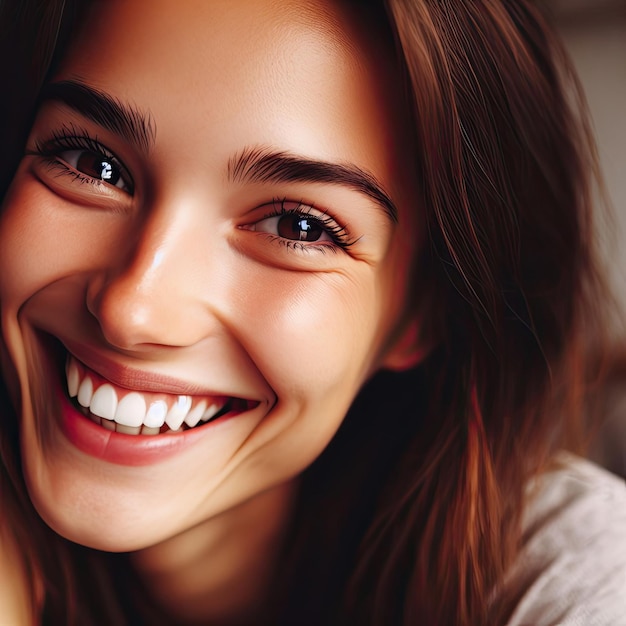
x: 595, y: 35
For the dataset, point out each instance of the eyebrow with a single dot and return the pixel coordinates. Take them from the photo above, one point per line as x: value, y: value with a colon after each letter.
x: 108, y: 112
x: 251, y: 164
x: 265, y: 165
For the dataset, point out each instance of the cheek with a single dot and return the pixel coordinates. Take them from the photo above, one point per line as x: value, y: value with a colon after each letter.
x: 312, y: 334
x: 31, y: 240
x: 30, y: 245
x: 43, y: 239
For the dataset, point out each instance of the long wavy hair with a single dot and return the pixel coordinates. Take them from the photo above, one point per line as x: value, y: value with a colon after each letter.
x: 412, y: 514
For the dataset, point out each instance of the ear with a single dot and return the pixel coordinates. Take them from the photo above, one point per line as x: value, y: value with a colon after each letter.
x: 408, y: 348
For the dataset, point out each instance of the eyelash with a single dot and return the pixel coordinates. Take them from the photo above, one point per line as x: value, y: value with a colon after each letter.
x: 339, y: 234
x: 71, y: 138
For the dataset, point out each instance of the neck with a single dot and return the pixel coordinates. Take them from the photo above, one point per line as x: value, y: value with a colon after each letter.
x: 221, y: 571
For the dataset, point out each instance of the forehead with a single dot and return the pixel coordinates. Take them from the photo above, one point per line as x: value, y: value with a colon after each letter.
x: 212, y: 30
x: 305, y: 76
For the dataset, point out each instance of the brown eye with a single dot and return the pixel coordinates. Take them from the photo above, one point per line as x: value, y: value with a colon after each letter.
x: 98, y: 166
x: 299, y: 228
x: 294, y: 226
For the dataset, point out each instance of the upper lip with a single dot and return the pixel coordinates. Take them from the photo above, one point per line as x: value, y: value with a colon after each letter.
x: 131, y: 378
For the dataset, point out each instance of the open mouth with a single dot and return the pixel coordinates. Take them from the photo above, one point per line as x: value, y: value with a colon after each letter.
x: 134, y: 412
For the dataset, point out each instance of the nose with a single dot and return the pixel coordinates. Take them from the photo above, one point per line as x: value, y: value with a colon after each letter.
x: 152, y: 290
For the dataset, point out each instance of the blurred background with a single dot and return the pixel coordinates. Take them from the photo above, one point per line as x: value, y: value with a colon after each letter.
x: 595, y: 35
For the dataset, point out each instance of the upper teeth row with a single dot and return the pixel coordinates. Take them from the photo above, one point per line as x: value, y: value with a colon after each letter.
x: 133, y: 410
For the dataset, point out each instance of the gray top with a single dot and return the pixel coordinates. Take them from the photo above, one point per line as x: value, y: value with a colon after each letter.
x: 572, y: 568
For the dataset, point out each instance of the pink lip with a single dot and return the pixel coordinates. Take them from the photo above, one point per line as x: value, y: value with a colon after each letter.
x: 132, y: 450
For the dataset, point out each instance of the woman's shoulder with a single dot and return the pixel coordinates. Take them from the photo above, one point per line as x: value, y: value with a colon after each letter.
x: 572, y: 566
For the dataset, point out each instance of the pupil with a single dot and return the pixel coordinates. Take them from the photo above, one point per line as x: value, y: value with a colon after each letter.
x: 97, y: 166
x: 299, y: 228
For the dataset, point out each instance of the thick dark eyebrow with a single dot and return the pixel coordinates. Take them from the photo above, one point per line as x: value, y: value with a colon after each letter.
x: 124, y: 120
x: 265, y: 165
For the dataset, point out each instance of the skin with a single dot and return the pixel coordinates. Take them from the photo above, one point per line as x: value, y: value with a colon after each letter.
x: 180, y: 277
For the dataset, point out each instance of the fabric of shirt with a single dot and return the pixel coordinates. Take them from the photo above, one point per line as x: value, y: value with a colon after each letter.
x: 572, y: 567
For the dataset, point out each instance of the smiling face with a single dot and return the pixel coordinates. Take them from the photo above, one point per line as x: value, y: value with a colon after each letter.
x: 201, y: 232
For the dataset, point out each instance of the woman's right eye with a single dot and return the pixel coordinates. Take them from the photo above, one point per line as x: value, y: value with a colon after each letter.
x: 97, y: 166
x: 83, y: 158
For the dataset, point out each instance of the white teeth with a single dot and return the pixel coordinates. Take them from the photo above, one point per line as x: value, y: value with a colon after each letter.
x: 73, y: 378
x: 104, y: 402
x: 178, y: 412
x: 85, y: 391
x: 131, y: 415
x: 210, y: 412
x: 131, y: 410
x: 195, y: 414
x: 155, y: 417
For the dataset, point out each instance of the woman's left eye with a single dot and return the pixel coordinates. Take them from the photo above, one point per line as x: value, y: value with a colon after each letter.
x: 301, y: 226
x: 96, y: 165
x: 294, y: 227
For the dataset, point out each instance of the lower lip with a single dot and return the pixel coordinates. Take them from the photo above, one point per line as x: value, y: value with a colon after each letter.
x: 121, y: 449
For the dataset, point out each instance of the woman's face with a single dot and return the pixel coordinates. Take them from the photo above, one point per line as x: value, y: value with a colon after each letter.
x: 200, y: 232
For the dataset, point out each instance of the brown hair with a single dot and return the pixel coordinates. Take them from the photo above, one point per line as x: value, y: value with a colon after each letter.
x: 505, y: 162
x: 418, y: 524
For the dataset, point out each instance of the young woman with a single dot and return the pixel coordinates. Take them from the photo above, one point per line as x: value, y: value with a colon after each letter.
x: 293, y: 298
